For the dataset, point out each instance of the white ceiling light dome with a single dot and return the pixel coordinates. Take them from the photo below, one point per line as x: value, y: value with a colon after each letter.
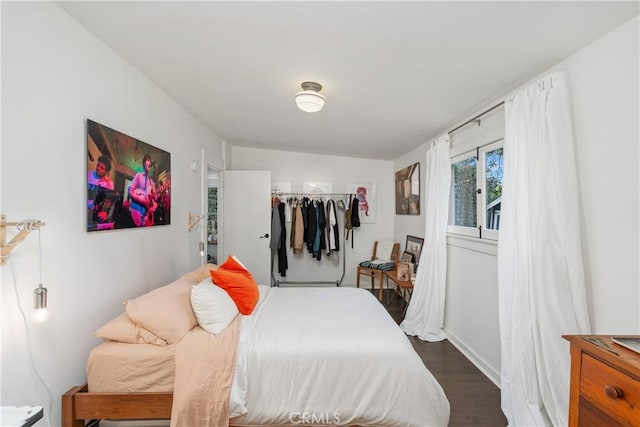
x: 310, y: 100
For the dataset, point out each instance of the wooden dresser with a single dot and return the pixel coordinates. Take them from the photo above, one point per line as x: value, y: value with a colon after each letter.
x: 605, y: 383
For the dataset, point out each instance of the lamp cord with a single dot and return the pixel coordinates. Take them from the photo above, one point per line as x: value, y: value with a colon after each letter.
x: 40, y: 256
x: 48, y: 397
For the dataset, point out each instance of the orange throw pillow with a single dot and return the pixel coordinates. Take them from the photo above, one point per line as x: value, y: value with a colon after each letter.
x: 234, y: 278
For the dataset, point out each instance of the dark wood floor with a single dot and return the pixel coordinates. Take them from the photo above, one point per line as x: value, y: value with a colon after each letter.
x: 474, y: 399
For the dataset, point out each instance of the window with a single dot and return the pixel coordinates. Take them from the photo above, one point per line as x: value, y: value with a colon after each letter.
x: 476, y: 191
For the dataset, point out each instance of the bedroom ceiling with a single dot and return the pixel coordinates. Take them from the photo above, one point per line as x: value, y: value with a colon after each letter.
x: 395, y: 74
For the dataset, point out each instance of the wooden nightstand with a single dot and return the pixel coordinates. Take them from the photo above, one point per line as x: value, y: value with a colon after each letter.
x: 605, y: 382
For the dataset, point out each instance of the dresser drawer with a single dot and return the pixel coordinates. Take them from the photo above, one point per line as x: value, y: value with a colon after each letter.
x: 611, y: 390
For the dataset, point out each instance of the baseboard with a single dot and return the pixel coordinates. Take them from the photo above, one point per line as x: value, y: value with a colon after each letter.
x: 479, y: 362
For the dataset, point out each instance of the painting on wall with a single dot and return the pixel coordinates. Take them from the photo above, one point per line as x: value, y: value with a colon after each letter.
x: 128, y: 181
x: 366, y: 194
x: 408, y: 190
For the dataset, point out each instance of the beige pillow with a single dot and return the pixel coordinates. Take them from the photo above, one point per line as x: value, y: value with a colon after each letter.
x: 201, y: 273
x: 165, y: 311
x: 122, y: 329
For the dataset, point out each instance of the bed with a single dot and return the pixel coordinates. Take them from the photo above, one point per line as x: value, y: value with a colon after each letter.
x: 305, y: 356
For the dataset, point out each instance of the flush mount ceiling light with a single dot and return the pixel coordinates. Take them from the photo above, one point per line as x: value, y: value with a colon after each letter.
x: 310, y: 100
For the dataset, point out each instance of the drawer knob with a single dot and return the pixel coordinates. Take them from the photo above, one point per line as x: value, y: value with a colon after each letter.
x: 613, y: 392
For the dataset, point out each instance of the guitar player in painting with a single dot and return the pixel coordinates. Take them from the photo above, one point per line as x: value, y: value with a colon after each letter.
x: 142, y: 193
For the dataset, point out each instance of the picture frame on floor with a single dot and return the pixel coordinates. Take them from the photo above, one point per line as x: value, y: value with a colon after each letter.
x: 407, y: 257
x: 413, y: 245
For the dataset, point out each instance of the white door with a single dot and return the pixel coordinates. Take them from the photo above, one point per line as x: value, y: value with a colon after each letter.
x: 247, y: 220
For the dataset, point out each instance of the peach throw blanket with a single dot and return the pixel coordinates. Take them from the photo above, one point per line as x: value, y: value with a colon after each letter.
x: 204, y: 372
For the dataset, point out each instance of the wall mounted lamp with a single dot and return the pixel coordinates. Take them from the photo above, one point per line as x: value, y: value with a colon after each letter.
x: 310, y: 100
x: 25, y: 227
x: 193, y: 220
x: 41, y: 312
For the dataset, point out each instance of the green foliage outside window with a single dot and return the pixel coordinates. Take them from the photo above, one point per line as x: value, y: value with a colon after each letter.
x: 464, y: 193
x: 212, y: 217
x: 494, y: 172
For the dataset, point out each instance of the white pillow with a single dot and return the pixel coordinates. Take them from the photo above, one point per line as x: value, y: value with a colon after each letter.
x: 213, y: 307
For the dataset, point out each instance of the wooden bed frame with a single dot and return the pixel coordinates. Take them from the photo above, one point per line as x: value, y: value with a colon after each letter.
x: 79, y: 405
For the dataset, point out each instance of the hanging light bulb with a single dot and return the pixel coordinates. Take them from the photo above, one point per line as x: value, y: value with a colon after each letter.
x: 41, y: 312
x: 201, y: 249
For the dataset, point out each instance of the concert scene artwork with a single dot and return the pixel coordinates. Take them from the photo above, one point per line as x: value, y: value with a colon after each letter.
x: 128, y: 181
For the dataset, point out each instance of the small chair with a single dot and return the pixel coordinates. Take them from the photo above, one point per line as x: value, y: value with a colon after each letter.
x: 384, y: 252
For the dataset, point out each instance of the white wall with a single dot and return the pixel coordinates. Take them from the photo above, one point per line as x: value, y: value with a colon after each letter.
x: 604, y: 83
x: 341, y: 171
x: 55, y: 75
x: 471, y: 308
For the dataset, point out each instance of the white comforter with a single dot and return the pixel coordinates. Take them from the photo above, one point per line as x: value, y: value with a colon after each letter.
x: 330, y: 356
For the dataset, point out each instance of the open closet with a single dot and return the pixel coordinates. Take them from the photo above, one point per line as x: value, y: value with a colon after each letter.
x: 308, y: 225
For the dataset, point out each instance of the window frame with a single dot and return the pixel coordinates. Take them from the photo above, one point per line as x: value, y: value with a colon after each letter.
x: 485, y: 233
x: 480, y: 231
x: 460, y: 229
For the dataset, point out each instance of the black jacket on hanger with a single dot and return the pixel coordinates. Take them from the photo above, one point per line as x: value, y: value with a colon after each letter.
x: 322, y: 224
x: 311, y: 226
x: 282, y: 249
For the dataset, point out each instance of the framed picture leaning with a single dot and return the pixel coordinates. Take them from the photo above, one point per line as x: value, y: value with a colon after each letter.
x: 413, y: 245
x: 407, y: 257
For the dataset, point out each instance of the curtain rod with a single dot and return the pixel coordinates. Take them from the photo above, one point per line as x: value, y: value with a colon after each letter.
x: 500, y: 104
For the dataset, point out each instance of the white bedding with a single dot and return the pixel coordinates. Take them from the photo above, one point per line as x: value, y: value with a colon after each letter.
x: 330, y: 356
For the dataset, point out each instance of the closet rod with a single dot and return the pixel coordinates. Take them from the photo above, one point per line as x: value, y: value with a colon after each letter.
x: 498, y: 105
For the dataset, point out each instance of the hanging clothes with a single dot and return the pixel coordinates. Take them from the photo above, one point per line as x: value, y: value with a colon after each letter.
x: 352, y: 219
x: 282, y: 248
x: 292, y: 235
x: 297, y: 229
x: 333, y: 243
x: 336, y: 229
x: 305, y: 206
x: 322, y: 215
x: 355, y: 217
x: 311, y: 225
x: 316, y: 241
x: 316, y: 235
x: 276, y: 225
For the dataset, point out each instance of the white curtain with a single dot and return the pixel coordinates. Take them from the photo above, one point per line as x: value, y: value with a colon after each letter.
x: 425, y: 314
x: 542, y: 293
